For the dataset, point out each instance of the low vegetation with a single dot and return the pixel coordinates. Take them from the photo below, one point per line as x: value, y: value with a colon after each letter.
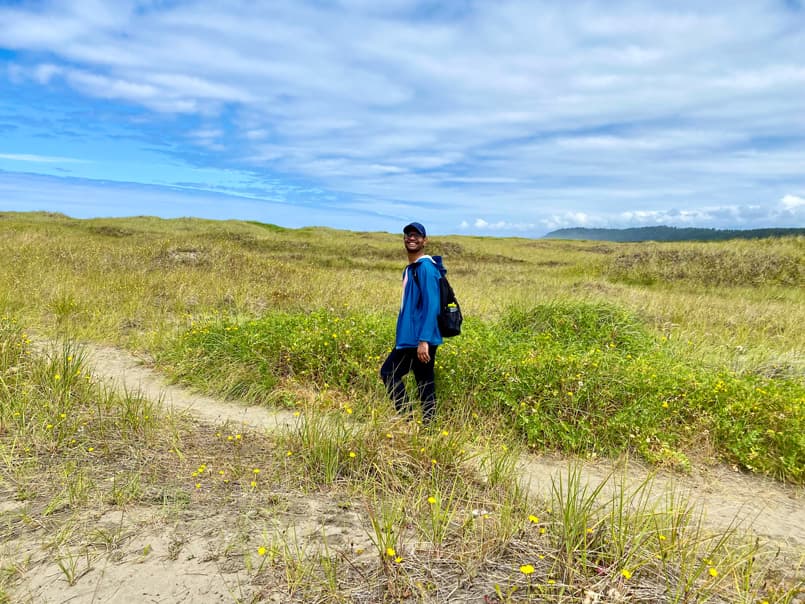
x: 444, y: 516
x: 577, y: 377
x: 665, y: 233
x: 567, y: 347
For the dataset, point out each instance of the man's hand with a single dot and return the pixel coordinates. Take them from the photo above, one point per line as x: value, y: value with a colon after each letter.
x: 423, y: 352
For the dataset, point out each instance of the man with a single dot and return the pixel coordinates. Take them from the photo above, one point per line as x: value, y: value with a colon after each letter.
x: 417, y: 328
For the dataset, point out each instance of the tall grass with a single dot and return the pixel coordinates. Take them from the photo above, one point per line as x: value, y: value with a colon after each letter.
x: 589, y: 365
x: 713, y: 266
x: 577, y: 377
x: 133, y: 280
x: 674, y: 351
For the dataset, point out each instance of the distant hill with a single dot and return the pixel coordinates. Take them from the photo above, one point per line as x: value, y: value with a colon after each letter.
x: 666, y: 233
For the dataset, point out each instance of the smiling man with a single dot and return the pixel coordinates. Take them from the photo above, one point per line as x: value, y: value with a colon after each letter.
x: 417, y: 328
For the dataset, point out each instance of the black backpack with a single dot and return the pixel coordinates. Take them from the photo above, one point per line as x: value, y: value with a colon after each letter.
x: 450, y: 317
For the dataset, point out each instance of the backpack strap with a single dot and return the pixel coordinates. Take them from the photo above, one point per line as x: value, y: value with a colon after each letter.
x: 414, y: 273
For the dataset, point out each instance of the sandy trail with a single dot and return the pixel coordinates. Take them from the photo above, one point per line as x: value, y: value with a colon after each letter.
x: 766, y: 507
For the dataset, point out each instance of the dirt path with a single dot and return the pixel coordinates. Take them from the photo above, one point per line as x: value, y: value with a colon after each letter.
x: 772, y: 509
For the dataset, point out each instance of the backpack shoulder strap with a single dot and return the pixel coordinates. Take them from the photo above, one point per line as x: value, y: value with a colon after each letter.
x: 414, y: 272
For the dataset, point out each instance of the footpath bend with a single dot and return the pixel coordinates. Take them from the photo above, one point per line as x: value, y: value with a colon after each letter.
x: 725, y: 496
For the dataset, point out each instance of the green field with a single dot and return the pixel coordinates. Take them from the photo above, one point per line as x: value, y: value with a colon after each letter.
x: 680, y: 354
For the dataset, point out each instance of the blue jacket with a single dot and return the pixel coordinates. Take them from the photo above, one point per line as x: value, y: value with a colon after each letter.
x: 420, y: 306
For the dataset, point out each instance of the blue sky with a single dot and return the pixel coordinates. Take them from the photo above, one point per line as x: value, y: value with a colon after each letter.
x: 489, y: 117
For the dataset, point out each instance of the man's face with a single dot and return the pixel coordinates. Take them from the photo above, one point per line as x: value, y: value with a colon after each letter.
x: 414, y: 241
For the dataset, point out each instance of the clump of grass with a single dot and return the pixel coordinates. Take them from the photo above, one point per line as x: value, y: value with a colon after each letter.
x: 247, y: 359
x: 580, y: 325
x: 632, y: 547
x: 703, y: 264
x: 52, y: 404
x: 441, y: 535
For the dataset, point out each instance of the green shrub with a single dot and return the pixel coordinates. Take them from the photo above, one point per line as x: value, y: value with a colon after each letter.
x: 248, y: 358
x: 584, y: 378
x: 580, y: 325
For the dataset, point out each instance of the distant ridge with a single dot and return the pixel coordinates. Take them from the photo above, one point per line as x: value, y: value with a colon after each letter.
x: 666, y: 233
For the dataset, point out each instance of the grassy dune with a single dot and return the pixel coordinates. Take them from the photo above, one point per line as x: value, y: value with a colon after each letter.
x: 678, y: 353
x: 671, y: 351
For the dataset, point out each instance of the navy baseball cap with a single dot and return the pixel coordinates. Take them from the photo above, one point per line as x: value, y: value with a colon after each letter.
x: 415, y: 226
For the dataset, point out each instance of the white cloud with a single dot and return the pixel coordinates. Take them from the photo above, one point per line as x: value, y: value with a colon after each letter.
x: 45, y: 72
x: 790, y: 212
x: 500, y: 225
x: 484, y: 180
x: 526, y: 113
x: 776, y: 77
x: 257, y: 134
x: 606, y: 143
x: 792, y: 202
x: 40, y: 159
x: 179, y: 85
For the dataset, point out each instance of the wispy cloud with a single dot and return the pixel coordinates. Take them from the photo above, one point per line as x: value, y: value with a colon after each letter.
x: 510, y: 116
x: 40, y: 159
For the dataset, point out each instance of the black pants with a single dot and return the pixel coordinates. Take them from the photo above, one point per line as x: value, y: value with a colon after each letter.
x: 399, y: 362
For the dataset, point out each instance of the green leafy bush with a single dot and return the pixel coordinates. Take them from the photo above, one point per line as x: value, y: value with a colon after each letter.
x: 587, y: 378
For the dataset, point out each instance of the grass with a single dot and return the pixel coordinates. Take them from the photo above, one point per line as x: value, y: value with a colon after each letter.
x: 584, y: 378
x: 586, y: 349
